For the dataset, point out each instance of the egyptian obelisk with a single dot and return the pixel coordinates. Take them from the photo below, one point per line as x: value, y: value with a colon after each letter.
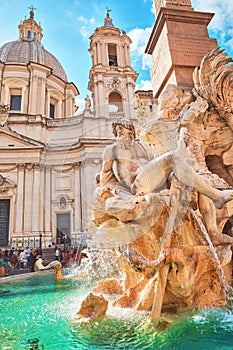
x: 178, y: 42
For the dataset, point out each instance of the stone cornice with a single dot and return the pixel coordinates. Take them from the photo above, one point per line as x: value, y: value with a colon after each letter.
x: 175, y: 15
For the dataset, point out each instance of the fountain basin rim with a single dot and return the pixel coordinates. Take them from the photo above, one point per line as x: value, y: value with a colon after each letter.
x: 23, y: 275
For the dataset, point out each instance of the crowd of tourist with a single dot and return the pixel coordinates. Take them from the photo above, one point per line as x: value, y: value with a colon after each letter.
x: 24, y: 259
x: 69, y: 257
x: 18, y: 259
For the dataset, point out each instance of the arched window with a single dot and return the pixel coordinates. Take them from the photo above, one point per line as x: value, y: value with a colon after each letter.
x: 112, y: 55
x: 115, y: 102
x: 34, y: 37
x: 29, y: 35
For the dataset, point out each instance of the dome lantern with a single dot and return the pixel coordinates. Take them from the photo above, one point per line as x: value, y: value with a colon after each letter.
x: 29, y: 29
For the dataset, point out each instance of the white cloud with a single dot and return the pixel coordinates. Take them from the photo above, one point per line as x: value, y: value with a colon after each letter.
x: 139, y: 37
x: 146, y: 61
x: 84, y: 32
x: 221, y: 24
x: 87, y: 28
x: 82, y: 19
x: 144, y: 85
x: 86, y: 20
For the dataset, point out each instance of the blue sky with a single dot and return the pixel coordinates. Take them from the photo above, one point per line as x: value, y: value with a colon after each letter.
x: 68, y: 24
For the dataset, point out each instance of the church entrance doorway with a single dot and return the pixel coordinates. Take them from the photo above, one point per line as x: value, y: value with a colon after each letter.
x: 4, y: 221
x: 63, y: 228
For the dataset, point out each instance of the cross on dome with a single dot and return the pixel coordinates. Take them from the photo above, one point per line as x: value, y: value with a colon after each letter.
x: 108, y: 11
x: 108, y: 20
x: 32, y: 8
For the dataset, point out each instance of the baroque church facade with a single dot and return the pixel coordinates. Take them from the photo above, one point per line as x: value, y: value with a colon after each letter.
x: 50, y: 156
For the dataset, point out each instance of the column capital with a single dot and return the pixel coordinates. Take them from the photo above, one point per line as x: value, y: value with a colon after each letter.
x: 48, y: 167
x: 37, y: 166
x: 76, y: 165
x: 21, y: 166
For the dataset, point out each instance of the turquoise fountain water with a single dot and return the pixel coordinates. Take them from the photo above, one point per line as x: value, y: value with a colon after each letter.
x: 37, y: 311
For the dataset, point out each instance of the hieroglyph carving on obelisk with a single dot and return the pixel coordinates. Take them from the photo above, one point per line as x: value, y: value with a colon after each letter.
x: 171, y: 3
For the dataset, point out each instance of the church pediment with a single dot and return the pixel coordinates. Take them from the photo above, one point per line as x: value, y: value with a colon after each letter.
x: 12, y: 139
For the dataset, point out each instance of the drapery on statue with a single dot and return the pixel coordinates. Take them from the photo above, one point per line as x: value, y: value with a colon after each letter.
x: 159, y: 203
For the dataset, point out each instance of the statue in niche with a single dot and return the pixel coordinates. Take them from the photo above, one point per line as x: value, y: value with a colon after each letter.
x: 158, y: 202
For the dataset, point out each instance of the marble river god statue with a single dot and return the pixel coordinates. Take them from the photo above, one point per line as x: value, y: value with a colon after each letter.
x: 163, y: 200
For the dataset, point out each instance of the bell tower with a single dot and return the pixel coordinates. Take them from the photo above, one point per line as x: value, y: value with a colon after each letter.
x: 111, y: 78
x: 178, y: 42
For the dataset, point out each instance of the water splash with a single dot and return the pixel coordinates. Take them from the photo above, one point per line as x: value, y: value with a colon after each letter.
x: 226, y: 287
x: 99, y: 264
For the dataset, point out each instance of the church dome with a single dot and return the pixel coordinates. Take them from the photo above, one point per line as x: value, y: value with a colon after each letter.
x: 22, y: 51
x: 28, y: 48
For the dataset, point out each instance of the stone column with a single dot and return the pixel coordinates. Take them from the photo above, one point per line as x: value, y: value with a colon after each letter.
x: 42, y: 199
x: 89, y: 168
x: 23, y: 105
x: 19, y: 200
x: 33, y: 94
x: 96, y: 95
x: 48, y: 104
x: 94, y: 55
x: 42, y: 97
x: 105, y: 57
x: 101, y: 53
x: 127, y: 55
x: 69, y: 109
x: 121, y: 56
x: 36, y: 199
x: 101, y: 98
x: 98, y: 53
x: 7, y: 95
x: 59, y: 109
x: 48, y: 199
x: 28, y: 199
x: 118, y: 52
x: 77, y: 199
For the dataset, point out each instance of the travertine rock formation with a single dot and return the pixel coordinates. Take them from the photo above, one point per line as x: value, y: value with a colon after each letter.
x: 92, y: 307
x: 173, y: 251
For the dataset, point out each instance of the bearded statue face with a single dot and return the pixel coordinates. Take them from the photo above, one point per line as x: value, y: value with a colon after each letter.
x: 125, y: 137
